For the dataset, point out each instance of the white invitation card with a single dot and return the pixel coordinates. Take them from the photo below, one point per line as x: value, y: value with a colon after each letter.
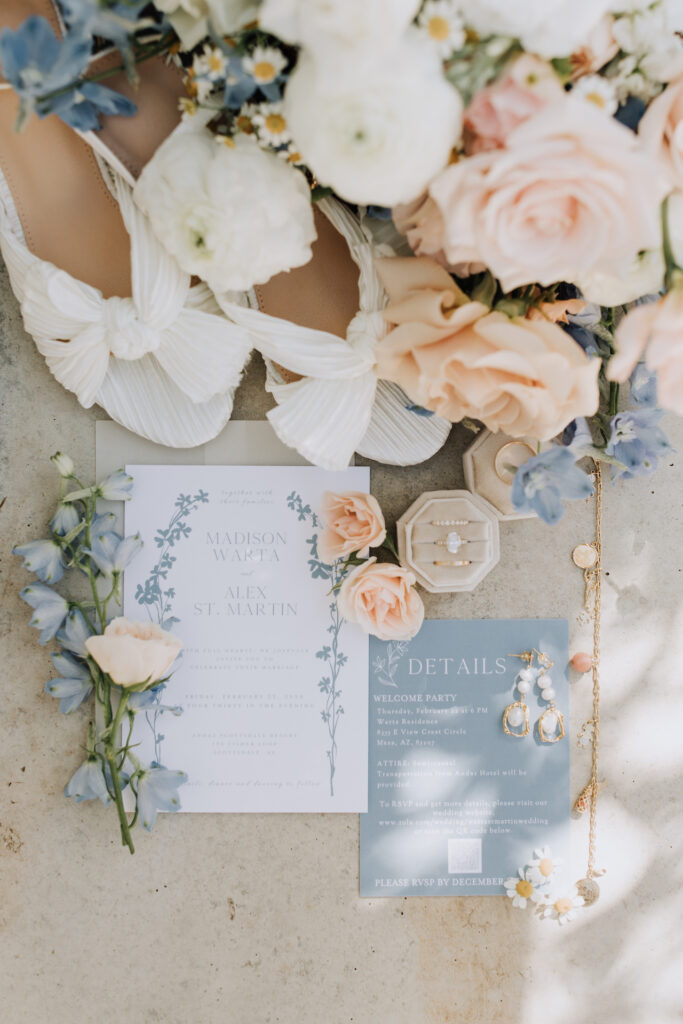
x: 272, y: 683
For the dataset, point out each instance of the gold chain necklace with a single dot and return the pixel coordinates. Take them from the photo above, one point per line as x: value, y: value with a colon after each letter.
x: 588, y: 798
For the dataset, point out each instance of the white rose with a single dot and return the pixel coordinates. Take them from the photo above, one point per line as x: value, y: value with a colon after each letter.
x: 645, y: 277
x: 232, y: 215
x: 190, y: 18
x: 376, y: 135
x: 319, y: 23
x: 550, y: 28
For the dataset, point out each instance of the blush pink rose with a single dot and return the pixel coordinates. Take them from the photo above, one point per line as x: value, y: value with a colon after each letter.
x: 570, y: 193
x: 457, y: 358
x: 422, y: 224
x: 134, y: 652
x: 527, y: 86
x: 654, y: 331
x: 381, y: 598
x: 353, y: 522
x: 661, y: 130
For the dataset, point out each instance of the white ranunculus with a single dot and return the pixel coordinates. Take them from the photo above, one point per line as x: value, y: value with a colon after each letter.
x: 646, y: 277
x: 376, y: 135
x: 190, y: 18
x: 232, y: 215
x: 550, y: 28
x: 317, y: 24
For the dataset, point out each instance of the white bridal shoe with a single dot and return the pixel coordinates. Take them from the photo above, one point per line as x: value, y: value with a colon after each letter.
x: 118, y: 322
x: 338, y: 406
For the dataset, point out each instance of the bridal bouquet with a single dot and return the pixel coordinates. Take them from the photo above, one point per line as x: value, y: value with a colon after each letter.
x: 125, y: 665
x: 529, y: 155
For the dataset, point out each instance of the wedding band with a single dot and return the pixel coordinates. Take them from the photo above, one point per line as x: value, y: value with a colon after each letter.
x: 503, y: 474
x: 449, y: 522
x: 443, y: 542
x: 451, y: 561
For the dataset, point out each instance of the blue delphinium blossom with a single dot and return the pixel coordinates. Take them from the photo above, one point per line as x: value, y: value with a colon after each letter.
x: 239, y: 86
x: 637, y: 442
x: 50, y: 609
x: 65, y: 519
x: 88, y: 783
x: 112, y: 553
x: 63, y: 464
x: 118, y: 486
x: 116, y: 22
x: 541, y: 484
x: 578, y: 438
x: 102, y: 524
x: 46, y: 72
x: 584, y: 337
x: 644, y: 386
x: 158, y: 791
x: 43, y: 557
x: 81, y: 106
x: 74, y: 684
x: 144, y: 699
x: 75, y: 632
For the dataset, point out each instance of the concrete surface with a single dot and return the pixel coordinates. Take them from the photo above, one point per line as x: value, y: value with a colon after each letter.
x: 257, y: 919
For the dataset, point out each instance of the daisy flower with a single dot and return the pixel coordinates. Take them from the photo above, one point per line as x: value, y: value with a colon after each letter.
x: 245, y: 118
x: 264, y: 64
x: 563, y: 908
x: 442, y: 22
x: 543, y: 866
x: 520, y: 890
x: 597, y: 90
x: 211, y: 63
x: 271, y: 125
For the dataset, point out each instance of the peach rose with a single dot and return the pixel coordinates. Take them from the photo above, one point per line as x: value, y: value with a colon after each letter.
x: 557, y: 312
x: 134, y: 652
x: 661, y: 130
x: 456, y: 357
x: 570, y: 193
x: 654, y: 330
x: 422, y: 224
x: 381, y: 598
x: 353, y: 522
x: 528, y: 85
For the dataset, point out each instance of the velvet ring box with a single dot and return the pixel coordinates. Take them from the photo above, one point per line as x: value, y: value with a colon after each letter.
x: 449, y: 539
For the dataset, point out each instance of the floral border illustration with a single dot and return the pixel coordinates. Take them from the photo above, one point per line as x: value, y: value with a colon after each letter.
x: 329, y: 652
x: 385, y: 668
x: 156, y: 596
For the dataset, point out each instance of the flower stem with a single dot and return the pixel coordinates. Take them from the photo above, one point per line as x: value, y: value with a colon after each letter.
x: 613, y: 398
x: 110, y: 754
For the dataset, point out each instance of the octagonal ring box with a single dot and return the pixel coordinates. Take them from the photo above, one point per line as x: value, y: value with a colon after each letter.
x: 477, y: 540
x: 486, y: 463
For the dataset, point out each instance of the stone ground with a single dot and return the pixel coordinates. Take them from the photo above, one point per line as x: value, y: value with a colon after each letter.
x: 256, y: 919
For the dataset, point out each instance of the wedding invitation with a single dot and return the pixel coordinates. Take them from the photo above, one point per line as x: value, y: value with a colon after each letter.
x: 272, y: 683
x: 455, y: 804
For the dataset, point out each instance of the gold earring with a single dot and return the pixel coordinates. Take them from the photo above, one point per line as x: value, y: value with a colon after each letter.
x: 551, y: 721
x: 516, y: 714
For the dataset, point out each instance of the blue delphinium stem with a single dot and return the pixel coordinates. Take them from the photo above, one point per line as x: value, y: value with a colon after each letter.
x: 111, y: 754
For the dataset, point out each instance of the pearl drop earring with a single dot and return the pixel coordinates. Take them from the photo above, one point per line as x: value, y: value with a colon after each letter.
x: 551, y: 722
x: 516, y: 714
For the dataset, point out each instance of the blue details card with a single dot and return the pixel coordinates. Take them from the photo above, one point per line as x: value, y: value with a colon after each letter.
x: 455, y: 804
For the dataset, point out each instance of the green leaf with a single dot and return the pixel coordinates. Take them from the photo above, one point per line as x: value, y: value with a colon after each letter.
x: 485, y: 290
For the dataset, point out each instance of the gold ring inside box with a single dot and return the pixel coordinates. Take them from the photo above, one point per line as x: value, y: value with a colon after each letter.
x: 449, y: 522
x: 512, y: 453
x: 453, y: 562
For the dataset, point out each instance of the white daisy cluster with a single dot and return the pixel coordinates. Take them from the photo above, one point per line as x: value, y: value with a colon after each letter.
x: 651, y: 49
x: 532, y: 886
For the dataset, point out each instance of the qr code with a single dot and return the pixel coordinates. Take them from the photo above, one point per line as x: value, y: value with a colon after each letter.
x: 464, y: 856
